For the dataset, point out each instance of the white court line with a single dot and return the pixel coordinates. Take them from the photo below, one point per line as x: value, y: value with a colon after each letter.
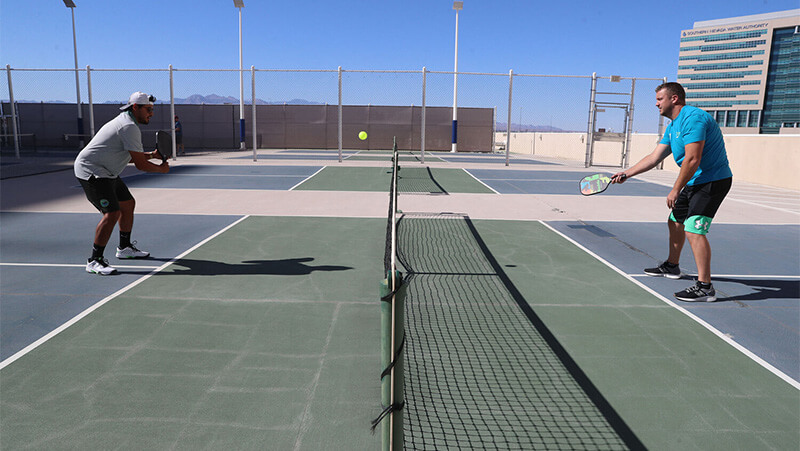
x: 480, y: 181
x: 736, y: 276
x: 352, y: 154
x: 696, y: 318
x: 64, y: 265
x: 235, y: 175
x: 531, y: 180
x: 102, y: 302
x: 307, y: 178
x: 731, y: 196
x: 758, y: 204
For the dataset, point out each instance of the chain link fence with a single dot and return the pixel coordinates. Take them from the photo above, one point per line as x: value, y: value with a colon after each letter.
x: 312, y: 108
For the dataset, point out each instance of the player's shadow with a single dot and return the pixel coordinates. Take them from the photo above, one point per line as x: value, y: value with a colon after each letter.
x: 763, y: 289
x: 285, y: 267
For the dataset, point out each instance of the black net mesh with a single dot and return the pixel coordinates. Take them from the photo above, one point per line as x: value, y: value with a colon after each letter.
x: 481, y: 372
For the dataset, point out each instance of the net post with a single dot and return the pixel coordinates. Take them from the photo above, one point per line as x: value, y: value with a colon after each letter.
x: 386, y: 356
x: 398, y: 375
x: 392, y: 292
x: 392, y: 361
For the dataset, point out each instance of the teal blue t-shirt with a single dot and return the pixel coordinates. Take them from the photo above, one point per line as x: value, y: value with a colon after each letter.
x: 693, y: 125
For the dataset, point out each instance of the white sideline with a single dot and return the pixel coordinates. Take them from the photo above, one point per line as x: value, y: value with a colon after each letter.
x: 102, y: 302
x: 697, y: 319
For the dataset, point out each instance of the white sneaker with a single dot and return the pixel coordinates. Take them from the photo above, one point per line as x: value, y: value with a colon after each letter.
x: 100, y: 267
x: 131, y: 252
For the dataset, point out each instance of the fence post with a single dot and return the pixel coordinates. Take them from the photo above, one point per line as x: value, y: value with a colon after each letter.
x: 590, y: 123
x: 340, y: 114
x: 422, y: 129
x: 172, y: 113
x: 629, y: 126
x: 255, y: 134
x: 13, y: 106
x: 661, y: 130
x: 494, y: 128
x: 508, y: 126
x: 91, y: 103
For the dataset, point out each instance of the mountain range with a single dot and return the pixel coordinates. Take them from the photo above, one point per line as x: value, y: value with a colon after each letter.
x: 214, y: 99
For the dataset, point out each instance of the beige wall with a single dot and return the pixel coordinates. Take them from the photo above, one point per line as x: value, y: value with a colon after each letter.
x: 765, y: 159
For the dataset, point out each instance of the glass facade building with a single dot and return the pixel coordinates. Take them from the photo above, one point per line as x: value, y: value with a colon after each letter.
x: 745, y: 71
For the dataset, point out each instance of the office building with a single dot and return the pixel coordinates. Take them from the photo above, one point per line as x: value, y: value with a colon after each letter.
x: 745, y: 71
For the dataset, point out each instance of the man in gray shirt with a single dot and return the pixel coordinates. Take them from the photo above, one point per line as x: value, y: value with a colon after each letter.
x: 97, y: 168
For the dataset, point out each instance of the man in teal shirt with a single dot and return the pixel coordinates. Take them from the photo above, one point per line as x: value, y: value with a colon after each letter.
x: 695, y: 142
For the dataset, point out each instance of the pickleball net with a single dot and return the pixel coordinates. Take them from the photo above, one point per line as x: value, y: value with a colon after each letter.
x: 392, y: 292
x: 482, y: 371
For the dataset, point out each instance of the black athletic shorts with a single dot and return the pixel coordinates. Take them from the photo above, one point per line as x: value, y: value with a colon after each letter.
x: 106, y: 194
x: 697, y: 205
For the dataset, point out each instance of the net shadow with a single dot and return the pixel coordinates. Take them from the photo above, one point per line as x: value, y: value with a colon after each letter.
x: 482, y: 369
x: 419, y: 180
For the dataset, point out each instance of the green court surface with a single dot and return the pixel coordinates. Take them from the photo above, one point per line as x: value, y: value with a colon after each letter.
x: 267, y: 337
x: 257, y: 340
x: 411, y: 180
x: 404, y: 158
x: 674, y: 383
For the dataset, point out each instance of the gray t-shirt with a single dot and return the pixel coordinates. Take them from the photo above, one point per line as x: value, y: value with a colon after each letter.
x: 106, y: 155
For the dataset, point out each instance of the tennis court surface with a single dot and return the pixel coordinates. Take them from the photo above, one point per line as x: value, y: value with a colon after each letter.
x: 255, y: 323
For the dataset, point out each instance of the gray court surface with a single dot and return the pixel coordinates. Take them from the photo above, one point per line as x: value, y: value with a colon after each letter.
x: 34, y: 305
x: 558, y: 182
x: 758, y: 293
x: 492, y: 159
x: 255, y: 322
x: 225, y: 177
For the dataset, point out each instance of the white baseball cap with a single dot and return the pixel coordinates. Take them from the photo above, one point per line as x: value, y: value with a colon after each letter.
x: 139, y: 98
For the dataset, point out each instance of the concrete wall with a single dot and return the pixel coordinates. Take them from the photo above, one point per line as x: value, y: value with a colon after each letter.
x: 278, y: 126
x: 766, y: 159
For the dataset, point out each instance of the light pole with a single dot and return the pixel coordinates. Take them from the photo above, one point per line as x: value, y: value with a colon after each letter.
x: 71, y: 5
x: 457, y: 6
x: 239, y: 4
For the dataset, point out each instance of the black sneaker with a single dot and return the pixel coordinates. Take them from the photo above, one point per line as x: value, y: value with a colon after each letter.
x: 697, y: 293
x: 665, y: 270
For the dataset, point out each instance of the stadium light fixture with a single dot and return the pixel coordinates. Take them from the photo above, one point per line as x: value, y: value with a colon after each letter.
x: 71, y: 5
x: 457, y: 6
x: 239, y: 4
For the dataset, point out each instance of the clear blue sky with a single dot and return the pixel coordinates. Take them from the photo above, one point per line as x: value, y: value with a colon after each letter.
x: 628, y: 37
x: 632, y: 38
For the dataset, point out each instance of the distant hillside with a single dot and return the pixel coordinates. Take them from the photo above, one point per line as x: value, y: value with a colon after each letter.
x: 214, y: 99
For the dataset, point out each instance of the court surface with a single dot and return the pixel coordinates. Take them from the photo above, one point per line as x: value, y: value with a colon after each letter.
x: 255, y: 322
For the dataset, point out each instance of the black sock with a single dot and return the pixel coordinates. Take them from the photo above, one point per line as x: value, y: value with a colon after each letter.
x: 124, y: 239
x: 98, y: 251
x: 703, y: 284
x: 670, y: 265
